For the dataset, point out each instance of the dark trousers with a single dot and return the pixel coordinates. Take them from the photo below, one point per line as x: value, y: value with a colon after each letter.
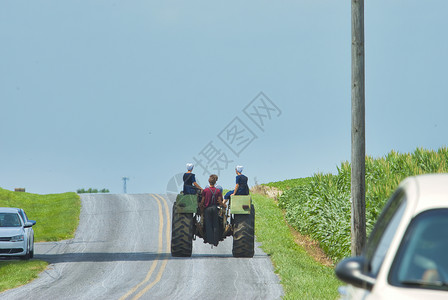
x: 227, y: 195
x: 211, y: 225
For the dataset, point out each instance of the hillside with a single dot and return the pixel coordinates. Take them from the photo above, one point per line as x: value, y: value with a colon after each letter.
x: 57, y: 215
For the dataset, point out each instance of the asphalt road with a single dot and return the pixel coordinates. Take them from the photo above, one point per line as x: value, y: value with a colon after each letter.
x: 121, y: 250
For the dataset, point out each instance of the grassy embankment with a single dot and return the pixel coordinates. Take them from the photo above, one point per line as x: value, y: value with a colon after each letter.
x: 57, y: 216
x: 301, y: 276
x: 319, y: 206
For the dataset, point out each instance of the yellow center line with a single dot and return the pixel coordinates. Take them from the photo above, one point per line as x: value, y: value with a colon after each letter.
x: 168, y: 246
x: 160, y: 247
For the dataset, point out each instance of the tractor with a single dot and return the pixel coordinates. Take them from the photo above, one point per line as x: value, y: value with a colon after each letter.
x: 238, y: 220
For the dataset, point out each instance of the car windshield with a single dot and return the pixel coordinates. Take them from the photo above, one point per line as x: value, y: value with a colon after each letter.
x: 9, y: 220
x: 384, y: 231
x: 421, y: 260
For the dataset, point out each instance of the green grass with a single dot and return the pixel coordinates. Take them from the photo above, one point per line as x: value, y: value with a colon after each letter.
x: 301, y: 276
x: 57, y: 217
x: 17, y: 273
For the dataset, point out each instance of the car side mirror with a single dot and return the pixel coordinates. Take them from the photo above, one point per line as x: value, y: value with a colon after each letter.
x: 29, y: 224
x: 352, y: 271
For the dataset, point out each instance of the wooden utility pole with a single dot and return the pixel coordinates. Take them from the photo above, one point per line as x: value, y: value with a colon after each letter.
x: 358, y: 182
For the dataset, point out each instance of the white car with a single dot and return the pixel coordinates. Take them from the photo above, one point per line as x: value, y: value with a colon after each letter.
x: 406, y: 256
x: 16, y: 233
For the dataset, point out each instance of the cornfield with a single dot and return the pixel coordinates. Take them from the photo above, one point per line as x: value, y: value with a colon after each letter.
x: 320, y: 206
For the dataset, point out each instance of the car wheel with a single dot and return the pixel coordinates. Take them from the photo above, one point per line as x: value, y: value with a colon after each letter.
x: 25, y: 257
x: 29, y: 254
x: 32, y: 247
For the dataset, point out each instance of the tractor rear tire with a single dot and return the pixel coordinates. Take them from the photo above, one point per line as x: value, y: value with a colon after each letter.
x: 182, y: 234
x: 244, y: 234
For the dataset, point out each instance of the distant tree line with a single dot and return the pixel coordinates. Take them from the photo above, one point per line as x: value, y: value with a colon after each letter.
x: 91, y: 191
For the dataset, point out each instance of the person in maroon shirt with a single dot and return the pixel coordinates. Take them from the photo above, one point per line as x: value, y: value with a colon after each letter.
x: 211, y: 199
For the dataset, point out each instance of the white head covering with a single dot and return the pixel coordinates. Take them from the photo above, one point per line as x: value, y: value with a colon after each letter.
x: 190, y: 166
x: 239, y: 169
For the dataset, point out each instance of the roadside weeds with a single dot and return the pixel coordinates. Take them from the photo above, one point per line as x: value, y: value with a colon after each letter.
x: 301, y: 275
x: 308, y: 244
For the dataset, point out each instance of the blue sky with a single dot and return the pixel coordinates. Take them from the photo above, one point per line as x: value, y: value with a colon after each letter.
x: 92, y: 91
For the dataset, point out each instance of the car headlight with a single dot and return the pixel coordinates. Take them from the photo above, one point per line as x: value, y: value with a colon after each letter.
x: 17, y: 238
